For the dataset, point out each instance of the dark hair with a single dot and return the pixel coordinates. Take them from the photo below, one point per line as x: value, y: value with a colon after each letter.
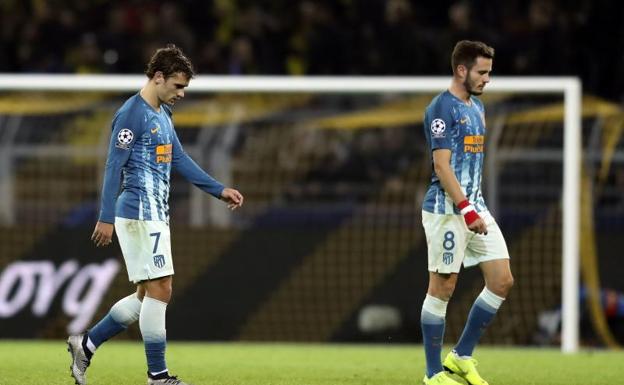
x: 466, y: 52
x: 169, y: 60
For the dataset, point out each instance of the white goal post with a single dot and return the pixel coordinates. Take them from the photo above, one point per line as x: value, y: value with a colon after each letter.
x: 570, y: 87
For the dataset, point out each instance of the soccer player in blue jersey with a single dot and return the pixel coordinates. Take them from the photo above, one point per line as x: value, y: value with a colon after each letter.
x: 458, y: 227
x: 143, y: 150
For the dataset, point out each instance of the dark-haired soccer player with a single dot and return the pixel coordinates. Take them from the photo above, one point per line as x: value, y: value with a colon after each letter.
x: 143, y: 149
x: 457, y: 224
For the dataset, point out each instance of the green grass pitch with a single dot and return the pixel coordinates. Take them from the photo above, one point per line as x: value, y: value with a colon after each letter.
x: 120, y: 362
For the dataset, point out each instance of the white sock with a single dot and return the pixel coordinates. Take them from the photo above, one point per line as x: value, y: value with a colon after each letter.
x: 90, y: 345
x: 152, y: 325
x: 491, y: 299
x: 435, y: 306
x: 461, y: 357
x: 152, y: 319
x: 126, y: 311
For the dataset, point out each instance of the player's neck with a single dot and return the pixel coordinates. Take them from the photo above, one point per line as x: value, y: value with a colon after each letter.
x: 150, y: 96
x: 460, y: 92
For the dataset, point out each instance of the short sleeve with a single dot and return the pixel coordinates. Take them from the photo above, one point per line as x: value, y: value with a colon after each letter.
x: 440, y: 124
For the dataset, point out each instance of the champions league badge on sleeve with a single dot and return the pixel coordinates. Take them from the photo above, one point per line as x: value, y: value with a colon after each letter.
x: 437, y: 128
x: 124, y: 138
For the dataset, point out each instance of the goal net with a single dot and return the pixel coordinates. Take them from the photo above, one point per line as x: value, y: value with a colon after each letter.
x: 329, y: 244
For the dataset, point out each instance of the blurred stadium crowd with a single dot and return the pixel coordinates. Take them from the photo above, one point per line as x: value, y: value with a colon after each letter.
x: 332, y: 182
x: 355, y: 37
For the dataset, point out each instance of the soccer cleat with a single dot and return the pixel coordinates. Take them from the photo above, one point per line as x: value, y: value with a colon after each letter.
x: 80, y: 362
x: 440, y: 379
x: 165, y: 380
x: 465, y: 368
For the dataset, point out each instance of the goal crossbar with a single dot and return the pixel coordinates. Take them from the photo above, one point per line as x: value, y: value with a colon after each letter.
x: 570, y: 87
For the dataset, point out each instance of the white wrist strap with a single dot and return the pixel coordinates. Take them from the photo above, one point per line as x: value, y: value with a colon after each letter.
x: 467, y: 209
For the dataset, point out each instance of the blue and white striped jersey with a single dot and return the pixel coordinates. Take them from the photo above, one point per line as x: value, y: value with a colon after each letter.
x: 452, y: 124
x: 143, y: 149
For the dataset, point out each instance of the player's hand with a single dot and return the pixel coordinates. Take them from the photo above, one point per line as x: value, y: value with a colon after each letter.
x: 473, y: 220
x: 478, y: 226
x: 103, y: 234
x: 232, y: 197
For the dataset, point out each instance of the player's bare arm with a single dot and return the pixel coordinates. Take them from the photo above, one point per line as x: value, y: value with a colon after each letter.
x: 102, y: 234
x: 442, y: 167
x: 232, y: 197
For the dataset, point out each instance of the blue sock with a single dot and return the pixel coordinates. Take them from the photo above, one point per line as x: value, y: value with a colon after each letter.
x: 121, y: 315
x: 155, y: 353
x: 432, y: 321
x: 483, y: 311
x: 104, y: 330
x: 152, y: 325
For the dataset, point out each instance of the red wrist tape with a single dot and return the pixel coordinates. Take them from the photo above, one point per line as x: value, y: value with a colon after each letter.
x: 463, y: 204
x: 468, y: 211
x: 471, y: 216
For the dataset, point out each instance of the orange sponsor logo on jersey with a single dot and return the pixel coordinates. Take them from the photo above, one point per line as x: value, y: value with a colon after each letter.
x: 473, y: 143
x: 163, y: 153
